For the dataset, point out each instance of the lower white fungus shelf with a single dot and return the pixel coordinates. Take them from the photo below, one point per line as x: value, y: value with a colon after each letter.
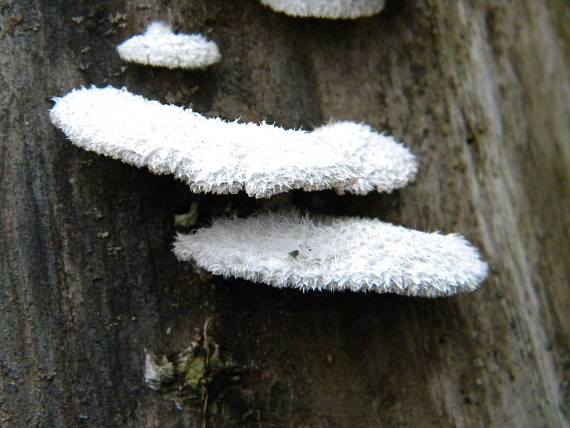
x: 290, y: 250
x: 212, y: 155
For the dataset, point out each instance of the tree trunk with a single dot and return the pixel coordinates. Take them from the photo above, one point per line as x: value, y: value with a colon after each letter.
x: 89, y: 287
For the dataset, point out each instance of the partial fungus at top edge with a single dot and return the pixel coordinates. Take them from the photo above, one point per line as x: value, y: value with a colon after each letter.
x: 329, y: 9
x: 160, y: 47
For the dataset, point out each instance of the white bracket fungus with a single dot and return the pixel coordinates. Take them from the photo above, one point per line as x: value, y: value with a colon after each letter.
x: 289, y: 250
x: 332, y: 9
x: 225, y: 157
x: 385, y: 164
x: 160, y: 47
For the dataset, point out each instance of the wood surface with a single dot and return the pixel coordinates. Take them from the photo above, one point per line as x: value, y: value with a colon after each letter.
x: 479, y: 90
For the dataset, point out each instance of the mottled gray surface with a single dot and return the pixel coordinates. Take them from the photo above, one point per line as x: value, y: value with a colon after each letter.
x: 88, y: 282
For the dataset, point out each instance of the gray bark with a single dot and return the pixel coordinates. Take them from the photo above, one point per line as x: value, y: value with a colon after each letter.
x: 89, y: 286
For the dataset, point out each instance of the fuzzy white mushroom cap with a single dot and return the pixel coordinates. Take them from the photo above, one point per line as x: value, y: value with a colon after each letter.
x: 160, y: 47
x: 289, y: 250
x: 385, y: 164
x: 209, y: 154
x: 332, y: 9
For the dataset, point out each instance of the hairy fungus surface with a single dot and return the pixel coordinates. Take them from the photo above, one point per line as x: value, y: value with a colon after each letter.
x: 332, y: 9
x: 160, y: 47
x: 290, y: 250
x: 209, y: 154
x: 384, y: 163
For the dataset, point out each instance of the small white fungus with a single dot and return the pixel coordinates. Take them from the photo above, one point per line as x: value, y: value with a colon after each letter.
x: 385, y: 164
x: 289, y: 250
x: 332, y: 9
x: 160, y: 47
x: 209, y: 154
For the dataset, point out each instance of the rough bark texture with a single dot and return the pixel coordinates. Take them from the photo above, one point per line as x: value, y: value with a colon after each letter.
x: 89, y: 286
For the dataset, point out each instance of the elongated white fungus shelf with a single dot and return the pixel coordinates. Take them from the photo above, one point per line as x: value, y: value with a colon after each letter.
x: 332, y: 9
x: 289, y: 250
x: 385, y: 164
x: 207, y: 153
x: 212, y: 155
x: 160, y: 47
